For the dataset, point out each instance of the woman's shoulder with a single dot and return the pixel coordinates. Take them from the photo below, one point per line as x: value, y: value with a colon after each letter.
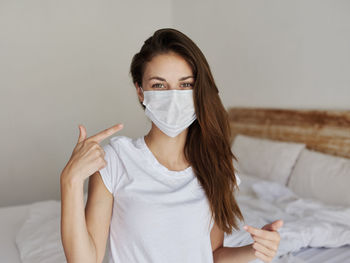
x: 122, y: 141
x: 119, y: 139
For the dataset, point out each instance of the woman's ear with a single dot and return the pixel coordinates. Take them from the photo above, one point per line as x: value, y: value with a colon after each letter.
x: 139, y: 92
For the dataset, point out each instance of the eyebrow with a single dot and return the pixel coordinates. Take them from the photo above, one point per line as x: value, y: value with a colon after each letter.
x: 159, y: 78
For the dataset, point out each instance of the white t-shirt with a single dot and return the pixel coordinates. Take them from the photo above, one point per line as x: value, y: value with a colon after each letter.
x: 158, y: 215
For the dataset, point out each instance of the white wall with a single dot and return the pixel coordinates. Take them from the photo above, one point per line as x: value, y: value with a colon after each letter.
x: 64, y: 63
x: 274, y: 53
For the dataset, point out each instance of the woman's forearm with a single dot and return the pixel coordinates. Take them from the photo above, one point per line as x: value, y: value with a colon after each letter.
x: 77, y: 243
x: 242, y: 254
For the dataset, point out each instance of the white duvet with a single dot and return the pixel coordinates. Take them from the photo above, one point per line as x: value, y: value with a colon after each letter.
x: 306, y: 223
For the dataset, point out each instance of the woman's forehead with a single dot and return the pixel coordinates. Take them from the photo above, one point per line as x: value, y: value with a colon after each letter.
x: 167, y: 66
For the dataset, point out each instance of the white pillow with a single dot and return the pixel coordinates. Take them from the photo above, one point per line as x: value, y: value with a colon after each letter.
x: 39, y: 238
x: 268, y: 159
x: 323, y: 177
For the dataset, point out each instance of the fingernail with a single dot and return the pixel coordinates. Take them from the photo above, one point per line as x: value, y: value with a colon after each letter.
x: 245, y: 227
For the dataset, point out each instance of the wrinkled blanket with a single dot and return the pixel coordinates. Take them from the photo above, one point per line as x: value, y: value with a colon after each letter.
x: 306, y: 222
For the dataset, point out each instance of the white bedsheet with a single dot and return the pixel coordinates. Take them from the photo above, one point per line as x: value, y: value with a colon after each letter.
x: 11, y: 219
x: 306, y: 222
x: 329, y: 255
x: 38, y: 237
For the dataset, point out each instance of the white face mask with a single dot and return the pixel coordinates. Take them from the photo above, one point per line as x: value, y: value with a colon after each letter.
x: 171, y: 110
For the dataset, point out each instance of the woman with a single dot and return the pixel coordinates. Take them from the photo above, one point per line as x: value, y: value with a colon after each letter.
x: 166, y: 196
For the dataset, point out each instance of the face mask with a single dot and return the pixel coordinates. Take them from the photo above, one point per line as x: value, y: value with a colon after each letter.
x: 171, y: 110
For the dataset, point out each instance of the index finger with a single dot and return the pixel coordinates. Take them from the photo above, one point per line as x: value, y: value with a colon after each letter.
x: 266, y: 234
x: 99, y: 137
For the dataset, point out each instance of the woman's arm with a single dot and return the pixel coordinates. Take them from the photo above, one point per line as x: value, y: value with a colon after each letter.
x: 264, y: 247
x: 84, y: 230
x: 242, y: 254
x: 77, y: 243
x: 84, y: 235
x: 223, y: 254
x: 98, y: 213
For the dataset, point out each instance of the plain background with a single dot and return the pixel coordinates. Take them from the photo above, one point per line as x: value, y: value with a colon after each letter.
x: 65, y: 63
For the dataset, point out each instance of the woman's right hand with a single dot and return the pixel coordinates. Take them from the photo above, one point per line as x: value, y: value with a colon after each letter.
x: 88, y: 155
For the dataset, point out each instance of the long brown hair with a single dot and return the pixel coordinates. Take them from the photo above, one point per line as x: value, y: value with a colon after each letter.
x: 207, y: 146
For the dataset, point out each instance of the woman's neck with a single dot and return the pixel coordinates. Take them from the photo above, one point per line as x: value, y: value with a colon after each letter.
x: 168, y: 151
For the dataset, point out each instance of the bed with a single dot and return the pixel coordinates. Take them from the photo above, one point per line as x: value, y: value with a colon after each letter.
x: 323, y: 139
x: 11, y: 219
x: 30, y: 233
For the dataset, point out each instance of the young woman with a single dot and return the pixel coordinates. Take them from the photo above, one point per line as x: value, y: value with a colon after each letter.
x: 167, y: 196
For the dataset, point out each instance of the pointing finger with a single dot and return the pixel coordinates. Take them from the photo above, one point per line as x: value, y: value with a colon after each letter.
x: 266, y: 234
x: 99, y: 137
x: 274, y: 226
x: 278, y: 224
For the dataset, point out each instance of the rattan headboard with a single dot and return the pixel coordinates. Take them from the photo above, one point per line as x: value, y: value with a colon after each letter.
x: 326, y: 131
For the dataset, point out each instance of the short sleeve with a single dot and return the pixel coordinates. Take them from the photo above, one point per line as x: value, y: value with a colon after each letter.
x: 238, y: 179
x: 109, y: 172
x: 235, y: 164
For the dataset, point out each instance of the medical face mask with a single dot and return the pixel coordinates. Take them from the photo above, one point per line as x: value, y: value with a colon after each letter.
x: 172, y: 111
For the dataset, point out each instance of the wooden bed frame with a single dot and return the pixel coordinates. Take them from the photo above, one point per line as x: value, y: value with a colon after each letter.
x: 326, y: 131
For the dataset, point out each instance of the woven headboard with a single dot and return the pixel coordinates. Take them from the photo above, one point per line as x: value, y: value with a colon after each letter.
x: 326, y: 131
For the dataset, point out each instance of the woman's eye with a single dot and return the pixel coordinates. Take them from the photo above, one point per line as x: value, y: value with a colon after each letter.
x: 187, y: 85
x: 158, y: 85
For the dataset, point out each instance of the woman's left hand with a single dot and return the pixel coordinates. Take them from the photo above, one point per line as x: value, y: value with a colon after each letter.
x: 267, y: 240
